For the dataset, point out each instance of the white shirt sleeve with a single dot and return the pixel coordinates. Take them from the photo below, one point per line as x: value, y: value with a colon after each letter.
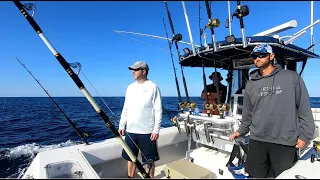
x: 123, y: 119
x: 157, y: 107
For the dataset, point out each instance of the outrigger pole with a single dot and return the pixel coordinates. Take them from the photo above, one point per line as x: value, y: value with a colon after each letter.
x: 174, y: 70
x: 229, y: 19
x: 212, y: 24
x: 188, y: 26
x: 82, y: 135
x: 81, y: 86
x: 175, y: 39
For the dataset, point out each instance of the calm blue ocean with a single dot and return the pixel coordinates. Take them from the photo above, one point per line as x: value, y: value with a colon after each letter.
x: 29, y: 125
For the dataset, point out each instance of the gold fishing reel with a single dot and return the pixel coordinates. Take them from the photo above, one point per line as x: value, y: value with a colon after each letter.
x: 174, y: 120
x: 316, y: 145
x: 225, y: 107
x: 192, y: 105
x: 213, y: 23
x: 213, y: 107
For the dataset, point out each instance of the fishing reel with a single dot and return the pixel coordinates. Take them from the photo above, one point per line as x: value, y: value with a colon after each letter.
x: 229, y: 77
x: 316, y: 156
x: 192, y: 105
x: 181, y: 105
x: 225, y: 107
x: 174, y: 120
x: 207, y: 107
x: 177, y: 38
x: 241, y: 11
x: 213, y: 107
x: 213, y: 23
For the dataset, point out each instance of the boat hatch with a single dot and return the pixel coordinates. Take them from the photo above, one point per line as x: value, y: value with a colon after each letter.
x: 65, y: 169
x: 230, y: 56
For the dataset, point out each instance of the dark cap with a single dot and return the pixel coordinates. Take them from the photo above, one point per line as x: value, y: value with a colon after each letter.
x: 216, y: 74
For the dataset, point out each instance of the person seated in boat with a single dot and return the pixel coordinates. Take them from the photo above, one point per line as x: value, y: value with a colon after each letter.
x: 276, y: 111
x: 141, y: 116
x: 212, y: 92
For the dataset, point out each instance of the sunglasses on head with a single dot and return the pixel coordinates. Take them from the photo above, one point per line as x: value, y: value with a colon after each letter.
x: 262, y: 55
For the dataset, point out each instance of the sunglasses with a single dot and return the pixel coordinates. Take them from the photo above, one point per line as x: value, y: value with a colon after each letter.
x: 255, y: 56
x: 137, y: 69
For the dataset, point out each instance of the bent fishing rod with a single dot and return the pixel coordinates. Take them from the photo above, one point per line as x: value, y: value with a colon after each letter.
x: 66, y: 66
x: 174, y: 70
x: 207, y: 106
x: 176, y: 38
x: 213, y: 24
x: 82, y: 135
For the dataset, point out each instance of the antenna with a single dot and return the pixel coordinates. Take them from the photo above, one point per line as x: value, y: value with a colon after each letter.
x: 188, y: 25
x: 283, y: 27
x: 311, y: 29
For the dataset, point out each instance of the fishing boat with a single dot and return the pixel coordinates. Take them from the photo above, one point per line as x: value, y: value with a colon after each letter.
x: 198, y: 146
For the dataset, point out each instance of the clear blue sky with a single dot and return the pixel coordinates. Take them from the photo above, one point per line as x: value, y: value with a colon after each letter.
x: 84, y: 32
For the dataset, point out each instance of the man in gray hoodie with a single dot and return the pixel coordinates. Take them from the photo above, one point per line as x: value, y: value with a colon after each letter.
x: 277, y: 112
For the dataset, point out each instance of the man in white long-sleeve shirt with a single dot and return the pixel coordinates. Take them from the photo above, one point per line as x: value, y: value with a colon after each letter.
x: 141, y: 115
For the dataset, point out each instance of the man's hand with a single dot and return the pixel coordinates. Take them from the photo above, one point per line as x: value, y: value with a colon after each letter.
x: 121, y: 132
x: 300, y: 143
x: 154, y: 136
x: 234, y: 135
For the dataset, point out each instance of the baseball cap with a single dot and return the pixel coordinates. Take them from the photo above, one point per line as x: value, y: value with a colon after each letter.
x: 139, y: 65
x: 262, y: 48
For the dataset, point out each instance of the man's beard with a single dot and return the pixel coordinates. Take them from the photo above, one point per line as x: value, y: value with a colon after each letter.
x: 263, y: 65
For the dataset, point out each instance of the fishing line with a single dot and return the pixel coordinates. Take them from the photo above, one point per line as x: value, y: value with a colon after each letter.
x: 114, y: 115
x: 146, y: 43
x: 141, y: 151
x: 4, y: 103
x: 82, y: 135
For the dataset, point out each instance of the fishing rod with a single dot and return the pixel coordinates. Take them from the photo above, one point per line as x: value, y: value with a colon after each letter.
x: 66, y: 66
x: 211, y: 25
x: 178, y: 37
x: 180, y: 107
x: 207, y: 106
x: 82, y: 135
x: 241, y: 12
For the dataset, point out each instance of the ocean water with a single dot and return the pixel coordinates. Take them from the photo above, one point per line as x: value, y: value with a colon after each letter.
x: 29, y: 125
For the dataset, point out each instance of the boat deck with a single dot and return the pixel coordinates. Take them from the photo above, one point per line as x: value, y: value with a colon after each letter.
x: 208, y: 158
